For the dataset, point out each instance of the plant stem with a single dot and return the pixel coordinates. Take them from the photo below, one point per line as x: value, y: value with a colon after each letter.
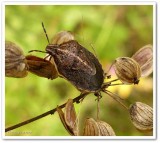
x: 76, y: 99
x: 115, y: 98
x: 117, y: 84
x: 98, y: 107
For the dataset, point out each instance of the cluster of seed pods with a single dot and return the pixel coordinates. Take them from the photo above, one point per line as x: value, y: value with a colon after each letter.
x: 141, y: 116
x: 129, y: 70
x: 68, y: 59
x: 91, y: 128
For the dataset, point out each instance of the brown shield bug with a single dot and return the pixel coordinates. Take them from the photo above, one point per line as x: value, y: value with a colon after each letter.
x: 76, y: 64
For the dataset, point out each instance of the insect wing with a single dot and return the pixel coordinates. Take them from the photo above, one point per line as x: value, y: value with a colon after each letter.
x: 87, y: 62
x: 79, y: 58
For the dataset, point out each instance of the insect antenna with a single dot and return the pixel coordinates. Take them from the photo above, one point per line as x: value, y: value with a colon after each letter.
x: 45, y: 33
x: 47, y: 40
x: 82, y: 27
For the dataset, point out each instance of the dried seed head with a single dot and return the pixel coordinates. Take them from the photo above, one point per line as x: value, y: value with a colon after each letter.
x: 62, y: 37
x: 15, y: 62
x: 41, y: 67
x: 97, y: 128
x: 144, y: 57
x: 127, y: 70
x: 69, y: 118
x: 105, y: 129
x: 61, y: 116
x: 141, y: 116
x: 91, y: 128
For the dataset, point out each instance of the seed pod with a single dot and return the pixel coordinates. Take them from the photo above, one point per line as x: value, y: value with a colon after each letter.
x: 105, y: 129
x: 61, y: 116
x: 97, y: 128
x: 144, y: 57
x: 127, y: 70
x: 141, y: 116
x: 15, y: 62
x: 41, y: 67
x: 69, y: 118
x: 62, y: 37
x: 91, y: 128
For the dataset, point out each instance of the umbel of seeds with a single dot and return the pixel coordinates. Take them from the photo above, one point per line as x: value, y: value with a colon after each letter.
x: 15, y: 61
x: 97, y: 128
x: 141, y: 116
x: 91, y: 128
x: 127, y: 70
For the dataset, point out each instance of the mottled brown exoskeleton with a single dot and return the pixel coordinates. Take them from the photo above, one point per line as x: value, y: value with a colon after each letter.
x: 75, y: 63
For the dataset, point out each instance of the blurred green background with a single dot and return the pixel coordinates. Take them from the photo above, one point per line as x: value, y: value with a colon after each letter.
x: 113, y: 31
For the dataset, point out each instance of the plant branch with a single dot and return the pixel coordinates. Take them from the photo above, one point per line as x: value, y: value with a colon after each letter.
x: 76, y: 99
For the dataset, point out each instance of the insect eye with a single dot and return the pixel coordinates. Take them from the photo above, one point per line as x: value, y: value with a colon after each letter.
x: 49, y: 47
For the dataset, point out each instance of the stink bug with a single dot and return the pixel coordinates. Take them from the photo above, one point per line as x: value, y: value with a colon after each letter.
x: 75, y: 63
